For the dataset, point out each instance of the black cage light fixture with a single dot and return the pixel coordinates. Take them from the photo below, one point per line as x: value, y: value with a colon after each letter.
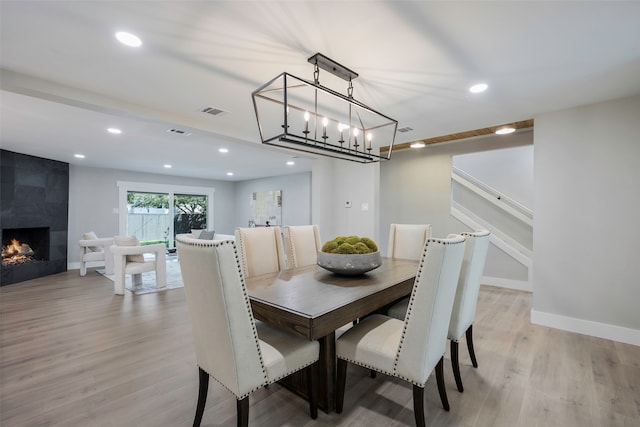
x: 303, y: 115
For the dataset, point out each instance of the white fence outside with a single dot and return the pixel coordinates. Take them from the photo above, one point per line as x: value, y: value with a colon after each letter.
x: 149, y: 226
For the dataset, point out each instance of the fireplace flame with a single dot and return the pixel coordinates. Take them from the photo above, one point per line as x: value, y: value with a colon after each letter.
x: 15, y: 247
x: 16, y: 253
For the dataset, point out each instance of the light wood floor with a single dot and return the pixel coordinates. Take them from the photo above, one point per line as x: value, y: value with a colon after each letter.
x: 75, y: 354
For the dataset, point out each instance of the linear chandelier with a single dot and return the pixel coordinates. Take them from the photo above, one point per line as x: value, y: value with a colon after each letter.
x: 302, y: 115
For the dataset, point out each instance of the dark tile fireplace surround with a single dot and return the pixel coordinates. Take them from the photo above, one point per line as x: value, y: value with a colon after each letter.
x: 34, y: 196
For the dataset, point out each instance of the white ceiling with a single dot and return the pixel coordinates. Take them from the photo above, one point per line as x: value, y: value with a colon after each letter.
x: 65, y: 78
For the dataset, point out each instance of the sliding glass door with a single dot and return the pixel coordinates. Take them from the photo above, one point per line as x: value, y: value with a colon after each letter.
x: 155, y: 213
x: 189, y: 212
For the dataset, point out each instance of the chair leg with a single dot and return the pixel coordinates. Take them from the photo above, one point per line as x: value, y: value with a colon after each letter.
x: 455, y: 364
x: 243, y: 412
x: 118, y: 284
x: 136, y: 280
x: 312, y: 380
x: 472, y: 354
x: 340, y: 384
x: 202, y: 396
x: 441, y: 389
x: 418, y: 405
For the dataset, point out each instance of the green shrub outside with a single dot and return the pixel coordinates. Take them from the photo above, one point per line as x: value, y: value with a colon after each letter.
x: 153, y: 242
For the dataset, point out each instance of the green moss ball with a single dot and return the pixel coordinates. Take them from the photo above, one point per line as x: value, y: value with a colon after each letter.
x: 350, y: 245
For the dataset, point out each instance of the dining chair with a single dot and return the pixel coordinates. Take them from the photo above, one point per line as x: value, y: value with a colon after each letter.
x: 241, y: 354
x: 260, y: 250
x: 302, y: 244
x: 464, y: 306
x: 128, y: 258
x: 413, y: 348
x: 407, y: 240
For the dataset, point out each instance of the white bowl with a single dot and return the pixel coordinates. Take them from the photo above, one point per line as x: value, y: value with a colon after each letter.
x: 349, y: 264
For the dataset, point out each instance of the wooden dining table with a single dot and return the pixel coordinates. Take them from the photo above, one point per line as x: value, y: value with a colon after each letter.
x: 313, y: 303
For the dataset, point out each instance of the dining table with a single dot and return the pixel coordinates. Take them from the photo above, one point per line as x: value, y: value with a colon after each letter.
x: 314, y: 303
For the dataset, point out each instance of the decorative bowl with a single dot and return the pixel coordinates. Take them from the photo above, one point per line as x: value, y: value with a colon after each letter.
x: 349, y: 264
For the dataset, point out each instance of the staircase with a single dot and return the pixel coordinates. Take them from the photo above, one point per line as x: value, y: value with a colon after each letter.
x: 478, y: 205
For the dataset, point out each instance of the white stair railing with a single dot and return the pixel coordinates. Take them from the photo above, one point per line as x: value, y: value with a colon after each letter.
x: 499, y: 238
x: 492, y: 195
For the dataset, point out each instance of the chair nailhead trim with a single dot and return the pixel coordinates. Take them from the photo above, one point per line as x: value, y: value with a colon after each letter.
x: 209, y: 243
x: 410, y: 306
x: 248, y: 307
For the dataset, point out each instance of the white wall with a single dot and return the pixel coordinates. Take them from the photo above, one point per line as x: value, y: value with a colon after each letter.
x: 586, y: 221
x: 338, y: 181
x: 510, y: 171
x: 415, y: 188
x: 296, y: 198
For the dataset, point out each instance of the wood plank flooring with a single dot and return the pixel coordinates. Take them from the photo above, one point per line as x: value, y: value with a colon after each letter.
x: 74, y: 354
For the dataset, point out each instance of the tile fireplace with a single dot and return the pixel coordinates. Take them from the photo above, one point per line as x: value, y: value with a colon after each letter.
x: 33, y: 216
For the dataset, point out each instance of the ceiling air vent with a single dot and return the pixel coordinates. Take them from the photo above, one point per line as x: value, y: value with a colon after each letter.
x: 213, y: 111
x: 405, y: 129
x: 179, y: 132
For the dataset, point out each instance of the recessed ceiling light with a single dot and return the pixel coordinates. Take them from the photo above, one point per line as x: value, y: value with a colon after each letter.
x: 79, y: 156
x: 128, y: 39
x: 167, y: 166
x: 223, y: 150
x: 114, y: 131
x: 291, y: 163
x: 229, y: 173
x: 418, y: 144
x: 505, y: 130
x: 478, y: 88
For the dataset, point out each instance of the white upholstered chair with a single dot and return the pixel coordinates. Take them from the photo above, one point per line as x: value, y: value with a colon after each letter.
x: 413, y: 348
x: 407, y: 240
x: 302, y: 243
x: 241, y: 354
x: 129, y: 258
x: 464, y: 306
x: 95, y: 250
x: 260, y: 250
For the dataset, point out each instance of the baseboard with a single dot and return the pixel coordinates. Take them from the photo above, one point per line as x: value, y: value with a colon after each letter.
x: 586, y: 327
x: 73, y: 266
x: 519, y: 285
